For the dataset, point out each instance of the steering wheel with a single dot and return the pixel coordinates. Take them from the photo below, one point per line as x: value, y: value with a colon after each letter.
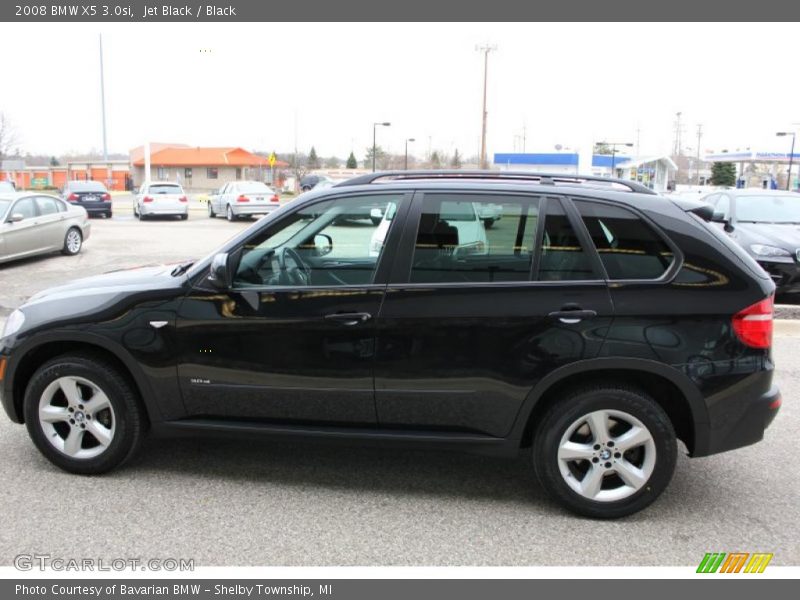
x: 300, y: 274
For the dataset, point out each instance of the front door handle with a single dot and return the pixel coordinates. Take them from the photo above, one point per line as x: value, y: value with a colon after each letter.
x: 572, y: 316
x: 349, y: 318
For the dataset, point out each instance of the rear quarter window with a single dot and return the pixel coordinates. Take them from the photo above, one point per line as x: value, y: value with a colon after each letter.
x: 629, y: 248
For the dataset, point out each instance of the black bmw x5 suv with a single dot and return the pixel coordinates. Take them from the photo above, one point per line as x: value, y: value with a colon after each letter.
x: 592, y: 327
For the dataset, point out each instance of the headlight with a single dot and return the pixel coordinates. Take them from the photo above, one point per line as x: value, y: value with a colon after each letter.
x: 768, y: 251
x: 13, y: 323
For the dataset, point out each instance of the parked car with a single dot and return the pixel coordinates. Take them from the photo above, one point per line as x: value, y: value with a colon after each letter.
x: 7, y: 187
x: 601, y: 326
x: 309, y: 182
x: 91, y: 195
x: 766, y: 223
x: 33, y: 223
x: 243, y: 199
x: 160, y: 199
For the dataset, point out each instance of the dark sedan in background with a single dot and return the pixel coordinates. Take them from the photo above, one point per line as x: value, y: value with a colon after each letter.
x: 766, y: 223
x: 91, y: 195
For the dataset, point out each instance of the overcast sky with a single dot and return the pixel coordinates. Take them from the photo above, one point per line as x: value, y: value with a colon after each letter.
x: 249, y: 84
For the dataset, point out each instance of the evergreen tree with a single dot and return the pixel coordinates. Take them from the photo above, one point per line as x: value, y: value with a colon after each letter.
x: 455, y: 162
x: 724, y: 174
x: 313, y: 159
x: 436, y: 162
x: 352, y: 163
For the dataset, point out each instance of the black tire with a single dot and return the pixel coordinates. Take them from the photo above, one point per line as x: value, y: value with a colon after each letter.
x: 73, y: 242
x: 229, y: 214
x: 562, y: 416
x: 184, y: 217
x: 211, y: 213
x: 129, y: 420
x: 488, y: 223
x: 109, y: 214
x: 375, y: 221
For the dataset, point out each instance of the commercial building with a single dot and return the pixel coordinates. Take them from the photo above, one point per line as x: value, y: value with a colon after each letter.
x: 202, y: 168
x: 652, y: 171
x: 113, y: 173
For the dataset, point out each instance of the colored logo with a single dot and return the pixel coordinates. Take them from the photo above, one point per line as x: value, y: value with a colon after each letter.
x: 734, y: 562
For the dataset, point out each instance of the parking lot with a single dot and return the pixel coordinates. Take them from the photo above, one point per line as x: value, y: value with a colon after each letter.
x: 298, y: 503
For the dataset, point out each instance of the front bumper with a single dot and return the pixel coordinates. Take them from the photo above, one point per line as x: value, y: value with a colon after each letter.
x: 786, y: 275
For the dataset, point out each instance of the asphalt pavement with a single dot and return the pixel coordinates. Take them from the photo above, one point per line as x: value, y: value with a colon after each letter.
x: 301, y: 503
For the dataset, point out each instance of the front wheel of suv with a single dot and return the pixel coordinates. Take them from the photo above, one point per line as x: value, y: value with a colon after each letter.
x: 605, y: 451
x: 83, y: 414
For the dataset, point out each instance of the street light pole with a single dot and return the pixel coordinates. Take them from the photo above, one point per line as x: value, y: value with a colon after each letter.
x: 614, y: 151
x: 406, y: 160
x: 486, y: 48
x: 791, y: 156
x: 374, y: 146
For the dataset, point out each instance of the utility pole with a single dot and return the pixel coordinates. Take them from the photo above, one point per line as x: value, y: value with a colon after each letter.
x: 677, y: 148
x: 103, y: 101
x: 699, y: 137
x: 486, y: 48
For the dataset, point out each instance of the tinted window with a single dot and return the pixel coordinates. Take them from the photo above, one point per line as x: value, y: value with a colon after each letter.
x: 474, y: 238
x: 254, y: 187
x: 628, y: 247
x: 25, y: 208
x: 563, y: 257
x: 164, y: 189
x: 48, y: 206
x: 86, y: 186
x: 329, y: 243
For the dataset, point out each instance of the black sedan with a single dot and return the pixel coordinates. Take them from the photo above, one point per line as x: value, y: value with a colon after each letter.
x: 767, y: 224
x: 91, y: 195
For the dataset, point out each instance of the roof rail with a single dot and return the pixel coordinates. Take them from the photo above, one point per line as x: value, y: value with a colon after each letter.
x: 498, y: 176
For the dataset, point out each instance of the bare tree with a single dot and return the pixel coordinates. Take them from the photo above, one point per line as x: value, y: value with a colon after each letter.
x: 8, y: 136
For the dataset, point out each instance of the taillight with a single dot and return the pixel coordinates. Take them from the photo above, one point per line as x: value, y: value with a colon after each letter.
x: 243, y: 198
x: 106, y: 197
x: 275, y: 198
x: 753, y: 325
x: 183, y: 199
x: 147, y: 199
x: 72, y: 197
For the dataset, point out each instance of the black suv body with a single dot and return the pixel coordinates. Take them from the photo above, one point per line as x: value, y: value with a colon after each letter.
x: 594, y: 326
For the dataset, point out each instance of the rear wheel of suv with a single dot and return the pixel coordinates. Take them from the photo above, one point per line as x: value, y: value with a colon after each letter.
x: 605, y: 451
x: 73, y: 242
x: 83, y: 415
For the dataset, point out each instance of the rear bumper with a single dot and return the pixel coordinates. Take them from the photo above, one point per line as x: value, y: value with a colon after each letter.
x: 745, y: 427
x: 148, y: 209
x: 96, y: 208
x: 253, y: 209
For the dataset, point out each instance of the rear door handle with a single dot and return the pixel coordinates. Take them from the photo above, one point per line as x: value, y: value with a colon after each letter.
x: 349, y: 318
x: 570, y: 317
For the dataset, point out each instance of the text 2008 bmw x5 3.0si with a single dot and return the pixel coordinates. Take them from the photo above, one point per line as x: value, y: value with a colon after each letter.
x: 592, y: 326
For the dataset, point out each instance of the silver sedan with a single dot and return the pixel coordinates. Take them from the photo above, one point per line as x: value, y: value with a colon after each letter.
x: 33, y: 223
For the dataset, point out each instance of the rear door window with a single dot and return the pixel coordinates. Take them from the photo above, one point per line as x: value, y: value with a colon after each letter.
x: 629, y: 248
x: 474, y: 238
x: 48, y: 206
x: 563, y: 257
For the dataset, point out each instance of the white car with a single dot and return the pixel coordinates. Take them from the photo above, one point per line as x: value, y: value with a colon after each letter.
x: 464, y: 216
x: 160, y: 198
x: 243, y: 199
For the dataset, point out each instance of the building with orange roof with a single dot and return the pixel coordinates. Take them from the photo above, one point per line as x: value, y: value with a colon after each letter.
x: 202, y: 168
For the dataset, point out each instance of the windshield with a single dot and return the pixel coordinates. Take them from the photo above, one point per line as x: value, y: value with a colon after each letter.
x: 165, y: 189
x: 768, y: 209
x: 87, y: 186
x: 254, y: 187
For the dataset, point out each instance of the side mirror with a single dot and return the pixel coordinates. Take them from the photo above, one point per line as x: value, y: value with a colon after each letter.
x: 323, y: 243
x: 718, y: 217
x: 16, y: 218
x: 222, y: 269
